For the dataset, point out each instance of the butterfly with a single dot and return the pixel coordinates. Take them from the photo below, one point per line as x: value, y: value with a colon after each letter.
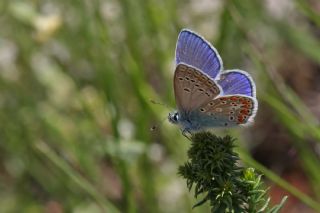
x: 206, y: 95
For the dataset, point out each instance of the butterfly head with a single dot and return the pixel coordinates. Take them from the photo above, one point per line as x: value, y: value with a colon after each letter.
x: 174, y: 117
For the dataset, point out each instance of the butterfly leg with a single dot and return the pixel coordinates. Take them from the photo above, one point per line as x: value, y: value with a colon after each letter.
x: 186, y: 133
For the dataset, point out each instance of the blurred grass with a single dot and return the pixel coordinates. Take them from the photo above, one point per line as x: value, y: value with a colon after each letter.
x: 75, y: 83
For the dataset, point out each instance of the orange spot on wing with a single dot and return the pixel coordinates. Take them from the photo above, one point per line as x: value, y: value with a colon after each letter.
x: 240, y: 119
x: 244, y: 111
x: 247, y: 106
x: 245, y: 102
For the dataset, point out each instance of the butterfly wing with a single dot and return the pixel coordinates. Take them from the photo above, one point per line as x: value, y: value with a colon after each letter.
x: 194, y: 50
x: 237, y: 82
x: 193, y: 88
x: 226, y: 111
x: 197, y: 92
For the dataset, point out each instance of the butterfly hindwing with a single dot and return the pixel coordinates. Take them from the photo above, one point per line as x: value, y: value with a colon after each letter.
x: 237, y: 82
x: 194, y: 50
x: 228, y: 111
x: 193, y: 88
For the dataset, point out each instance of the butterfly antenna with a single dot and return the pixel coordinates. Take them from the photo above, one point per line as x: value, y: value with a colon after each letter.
x: 154, y: 127
x: 162, y: 104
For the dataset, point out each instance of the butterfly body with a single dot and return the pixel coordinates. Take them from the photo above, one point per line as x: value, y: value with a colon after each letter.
x: 206, y: 96
x: 194, y: 121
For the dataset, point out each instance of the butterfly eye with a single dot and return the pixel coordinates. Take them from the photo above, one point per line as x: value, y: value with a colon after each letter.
x: 175, y: 117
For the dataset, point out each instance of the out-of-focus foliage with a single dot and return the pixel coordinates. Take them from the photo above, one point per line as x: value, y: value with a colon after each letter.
x: 76, y: 79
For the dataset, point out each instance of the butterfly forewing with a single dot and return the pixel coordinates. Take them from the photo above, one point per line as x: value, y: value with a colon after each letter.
x: 194, y: 50
x: 228, y: 111
x: 193, y: 88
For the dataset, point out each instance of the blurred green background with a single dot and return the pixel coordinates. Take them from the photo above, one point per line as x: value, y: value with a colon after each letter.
x: 76, y: 79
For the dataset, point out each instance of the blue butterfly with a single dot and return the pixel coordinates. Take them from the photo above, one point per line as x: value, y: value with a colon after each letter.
x: 206, y: 96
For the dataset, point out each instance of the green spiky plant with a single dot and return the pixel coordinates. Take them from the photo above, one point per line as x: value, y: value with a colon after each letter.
x: 213, y: 170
